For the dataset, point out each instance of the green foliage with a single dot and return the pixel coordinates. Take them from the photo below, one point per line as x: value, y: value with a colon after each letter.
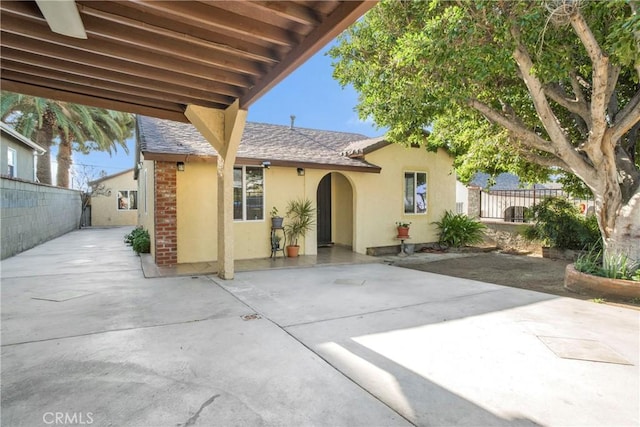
x: 299, y: 219
x: 139, y: 240
x: 617, y: 266
x: 274, y: 212
x: 558, y: 223
x: 459, y: 230
x: 441, y: 74
x: 403, y: 224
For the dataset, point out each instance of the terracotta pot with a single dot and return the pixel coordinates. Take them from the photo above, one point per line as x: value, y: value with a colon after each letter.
x: 403, y: 231
x: 292, y: 251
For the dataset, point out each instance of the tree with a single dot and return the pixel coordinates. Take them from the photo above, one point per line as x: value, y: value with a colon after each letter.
x: 528, y: 87
x: 76, y: 127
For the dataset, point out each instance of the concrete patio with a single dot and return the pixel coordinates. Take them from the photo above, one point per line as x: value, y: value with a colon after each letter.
x: 85, y: 334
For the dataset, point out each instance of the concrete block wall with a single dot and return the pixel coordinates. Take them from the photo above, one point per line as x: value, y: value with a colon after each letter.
x: 34, y: 213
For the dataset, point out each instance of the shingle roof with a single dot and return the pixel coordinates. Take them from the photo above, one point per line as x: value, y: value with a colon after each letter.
x: 260, y: 141
x: 364, y: 146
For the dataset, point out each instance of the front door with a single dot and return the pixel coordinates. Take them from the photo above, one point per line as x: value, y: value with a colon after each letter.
x: 324, y: 211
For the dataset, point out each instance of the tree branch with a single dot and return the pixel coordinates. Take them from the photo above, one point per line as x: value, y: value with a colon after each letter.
x: 576, y: 106
x: 626, y: 118
x: 515, y: 127
x: 552, y: 162
x: 604, y: 79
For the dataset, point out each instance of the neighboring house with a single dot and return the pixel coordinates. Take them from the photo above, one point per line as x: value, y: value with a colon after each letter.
x: 18, y: 154
x: 360, y: 186
x: 114, y: 200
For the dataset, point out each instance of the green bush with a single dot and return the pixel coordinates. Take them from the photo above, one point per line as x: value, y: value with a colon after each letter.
x: 459, y: 230
x: 139, y: 240
x: 129, y: 238
x: 559, y: 224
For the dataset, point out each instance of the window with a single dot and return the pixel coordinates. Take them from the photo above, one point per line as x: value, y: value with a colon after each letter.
x: 248, y: 193
x: 11, y: 162
x: 415, y: 192
x: 127, y: 200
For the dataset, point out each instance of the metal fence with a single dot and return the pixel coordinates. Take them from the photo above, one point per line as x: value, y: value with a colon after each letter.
x: 511, y: 205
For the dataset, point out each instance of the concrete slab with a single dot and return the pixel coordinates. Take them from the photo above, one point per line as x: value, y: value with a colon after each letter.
x: 443, y: 351
x: 168, y: 351
x: 219, y: 372
x: 344, y: 345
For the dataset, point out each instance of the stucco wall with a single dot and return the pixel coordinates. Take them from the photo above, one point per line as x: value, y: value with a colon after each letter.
x: 25, y: 163
x: 104, y: 208
x: 365, y: 206
x: 380, y: 200
x: 34, y: 213
x: 146, y: 195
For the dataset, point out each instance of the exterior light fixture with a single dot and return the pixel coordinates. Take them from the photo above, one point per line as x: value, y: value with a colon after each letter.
x: 300, y: 171
x: 266, y: 164
x: 180, y: 166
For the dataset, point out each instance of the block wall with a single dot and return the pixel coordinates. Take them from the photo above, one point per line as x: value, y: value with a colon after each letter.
x: 32, y: 214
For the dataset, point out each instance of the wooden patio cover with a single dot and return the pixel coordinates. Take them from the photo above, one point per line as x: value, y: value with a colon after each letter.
x: 156, y: 57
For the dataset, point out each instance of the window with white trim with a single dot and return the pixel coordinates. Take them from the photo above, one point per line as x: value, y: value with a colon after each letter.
x: 127, y: 200
x: 248, y: 193
x: 12, y: 161
x: 415, y: 192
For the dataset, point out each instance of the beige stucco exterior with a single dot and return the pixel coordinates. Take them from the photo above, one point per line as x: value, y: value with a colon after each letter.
x: 146, y: 193
x: 365, y: 206
x: 104, y: 203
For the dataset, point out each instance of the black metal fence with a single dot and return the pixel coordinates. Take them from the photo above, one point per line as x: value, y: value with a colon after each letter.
x: 511, y: 205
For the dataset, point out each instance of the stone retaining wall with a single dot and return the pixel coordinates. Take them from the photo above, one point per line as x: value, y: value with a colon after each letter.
x: 34, y: 213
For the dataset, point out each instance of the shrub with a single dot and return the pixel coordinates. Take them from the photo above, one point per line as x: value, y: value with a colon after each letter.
x: 129, y: 238
x: 458, y: 230
x: 614, y: 267
x: 139, y: 240
x: 558, y: 223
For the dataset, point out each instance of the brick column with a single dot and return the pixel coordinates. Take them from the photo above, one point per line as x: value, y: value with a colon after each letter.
x: 166, y: 214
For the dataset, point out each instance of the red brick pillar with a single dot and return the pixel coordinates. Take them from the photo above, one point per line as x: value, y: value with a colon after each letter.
x: 166, y: 214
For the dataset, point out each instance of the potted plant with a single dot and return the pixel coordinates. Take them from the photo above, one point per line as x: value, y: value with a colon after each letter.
x: 275, y: 242
x: 403, y: 228
x: 276, y: 219
x: 299, y: 222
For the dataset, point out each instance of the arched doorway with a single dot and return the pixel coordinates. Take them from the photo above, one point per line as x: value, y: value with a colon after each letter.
x: 334, y: 200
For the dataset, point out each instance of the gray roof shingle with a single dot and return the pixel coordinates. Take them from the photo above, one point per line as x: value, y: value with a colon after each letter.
x: 260, y: 141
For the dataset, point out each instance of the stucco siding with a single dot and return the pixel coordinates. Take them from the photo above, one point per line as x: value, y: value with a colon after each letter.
x: 381, y: 197
x: 104, y: 207
x: 146, y: 196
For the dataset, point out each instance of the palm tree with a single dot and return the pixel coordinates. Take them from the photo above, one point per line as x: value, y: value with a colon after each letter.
x: 77, y: 127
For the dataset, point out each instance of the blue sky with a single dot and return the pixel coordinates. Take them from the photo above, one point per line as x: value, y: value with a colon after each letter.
x: 310, y: 93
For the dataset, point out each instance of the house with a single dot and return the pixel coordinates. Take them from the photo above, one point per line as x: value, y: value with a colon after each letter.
x: 18, y: 154
x: 360, y: 186
x: 114, y: 200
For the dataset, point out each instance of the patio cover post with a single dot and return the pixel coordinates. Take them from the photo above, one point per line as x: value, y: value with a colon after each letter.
x: 223, y: 130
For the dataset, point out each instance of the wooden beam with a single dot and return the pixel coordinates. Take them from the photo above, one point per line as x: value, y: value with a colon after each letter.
x: 91, y: 91
x: 59, y: 52
x: 26, y: 70
x: 290, y: 10
x: 82, y: 71
x: 39, y: 31
x: 211, y: 17
x: 46, y: 92
x: 335, y: 23
x: 258, y: 51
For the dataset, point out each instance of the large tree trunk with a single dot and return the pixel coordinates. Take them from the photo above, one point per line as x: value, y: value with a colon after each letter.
x: 43, y: 171
x: 64, y: 162
x: 624, y: 239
